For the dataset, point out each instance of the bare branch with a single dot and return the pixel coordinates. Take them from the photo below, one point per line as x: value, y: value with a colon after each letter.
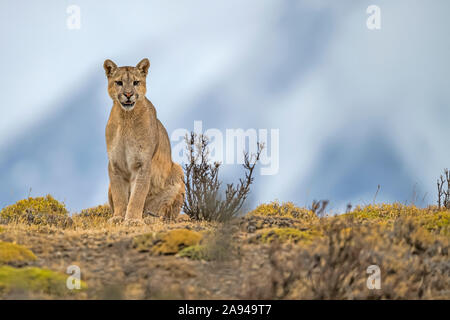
x: 203, y: 200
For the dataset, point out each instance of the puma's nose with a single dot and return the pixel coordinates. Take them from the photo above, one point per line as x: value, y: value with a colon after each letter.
x: 128, y: 94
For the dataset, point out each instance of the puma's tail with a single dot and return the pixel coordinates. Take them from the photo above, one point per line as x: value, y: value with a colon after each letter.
x: 176, y: 194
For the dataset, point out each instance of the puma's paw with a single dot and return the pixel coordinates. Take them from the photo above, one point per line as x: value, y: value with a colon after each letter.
x: 115, y: 220
x: 134, y: 222
x: 183, y: 218
x: 151, y: 220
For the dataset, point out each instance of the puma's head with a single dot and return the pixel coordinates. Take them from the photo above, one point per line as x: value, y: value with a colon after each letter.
x: 126, y: 84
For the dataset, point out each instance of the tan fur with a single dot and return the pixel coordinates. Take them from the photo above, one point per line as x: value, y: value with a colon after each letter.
x: 143, y: 178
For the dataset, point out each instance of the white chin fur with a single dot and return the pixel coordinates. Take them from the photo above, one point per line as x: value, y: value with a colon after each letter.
x: 127, y: 108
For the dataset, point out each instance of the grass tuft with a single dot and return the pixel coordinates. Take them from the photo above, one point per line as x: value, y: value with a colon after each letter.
x: 14, y: 253
x: 166, y: 243
x: 31, y: 280
x: 285, y: 209
x: 196, y: 252
x: 284, y: 235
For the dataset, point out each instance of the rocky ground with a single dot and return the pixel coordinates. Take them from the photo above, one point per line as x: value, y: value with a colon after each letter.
x: 289, y: 254
x: 112, y: 267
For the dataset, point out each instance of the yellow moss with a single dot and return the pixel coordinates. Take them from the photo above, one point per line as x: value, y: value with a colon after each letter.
x: 286, y: 209
x: 1, y: 229
x: 144, y: 242
x: 195, y: 252
x: 175, y: 240
x: 286, y: 235
x: 34, y: 280
x: 170, y: 242
x: 34, y: 210
x: 10, y: 253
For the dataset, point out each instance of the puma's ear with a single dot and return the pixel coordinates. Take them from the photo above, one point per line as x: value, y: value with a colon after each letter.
x: 110, y: 67
x: 143, y: 66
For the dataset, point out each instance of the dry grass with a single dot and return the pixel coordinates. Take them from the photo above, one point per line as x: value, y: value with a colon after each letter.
x: 410, y: 246
x: 277, y: 251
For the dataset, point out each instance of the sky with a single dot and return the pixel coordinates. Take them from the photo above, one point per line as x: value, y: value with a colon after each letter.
x: 355, y: 108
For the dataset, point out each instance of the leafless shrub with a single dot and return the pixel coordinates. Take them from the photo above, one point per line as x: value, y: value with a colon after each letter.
x: 203, y: 200
x: 318, y: 207
x: 443, y: 188
x: 334, y: 266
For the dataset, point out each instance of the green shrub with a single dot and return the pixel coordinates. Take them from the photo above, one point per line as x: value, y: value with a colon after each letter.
x: 34, y: 280
x: 166, y: 243
x: 196, y: 252
x: 286, y: 209
x: 386, y: 214
x: 144, y: 242
x: 285, y: 235
x: 385, y: 211
x: 14, y: 253
x: 40, y: 210
x: 93, y: 217
x: 100, y: 211
x: 438, y: 222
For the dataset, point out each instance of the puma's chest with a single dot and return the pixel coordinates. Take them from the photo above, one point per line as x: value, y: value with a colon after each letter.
x: 126, y: 152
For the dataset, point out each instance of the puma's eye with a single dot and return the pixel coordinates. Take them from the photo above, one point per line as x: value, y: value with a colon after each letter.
x: 136, y: 83
x: 119, y: 83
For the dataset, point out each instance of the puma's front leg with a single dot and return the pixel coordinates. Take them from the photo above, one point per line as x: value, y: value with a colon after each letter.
x: 140, y: 184
x: 119, y: 191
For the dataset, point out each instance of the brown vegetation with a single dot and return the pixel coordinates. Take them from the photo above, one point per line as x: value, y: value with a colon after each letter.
x: 203, y: 200
x: 276, y: 251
